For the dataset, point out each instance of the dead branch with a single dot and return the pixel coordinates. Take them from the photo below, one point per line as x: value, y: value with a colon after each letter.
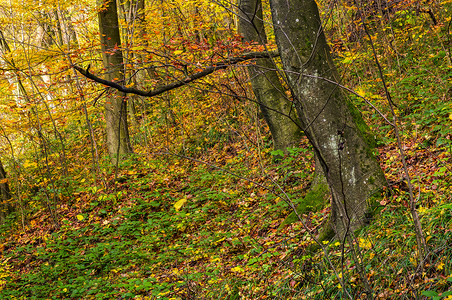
x: 157, y: 91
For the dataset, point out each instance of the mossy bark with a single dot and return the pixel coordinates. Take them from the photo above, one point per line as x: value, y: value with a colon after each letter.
x: 277, y: 109
x: 118, y: 142
x: 352, y: 172
x: 315, y: 200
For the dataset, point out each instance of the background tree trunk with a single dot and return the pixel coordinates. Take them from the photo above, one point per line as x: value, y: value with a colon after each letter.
x: 132, y: 14
x: 332, y: 124
x: 118, y: 143
x: 69, y: 33
x: 5, y: 195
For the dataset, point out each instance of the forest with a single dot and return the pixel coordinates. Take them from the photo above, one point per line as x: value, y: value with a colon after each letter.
x: 218, y: 149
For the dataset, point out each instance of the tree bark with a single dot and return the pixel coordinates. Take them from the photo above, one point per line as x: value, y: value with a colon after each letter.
x: 333, y: 126
x: 132, y: 13
x: 5, y: 195
x: 69, y: 34
x: 277, y: 109
x: 118, y: 142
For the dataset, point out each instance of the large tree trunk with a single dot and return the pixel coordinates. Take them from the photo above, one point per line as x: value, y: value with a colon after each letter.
x: 118, y: 143
x: 277, y: 109
x: 332, y: 124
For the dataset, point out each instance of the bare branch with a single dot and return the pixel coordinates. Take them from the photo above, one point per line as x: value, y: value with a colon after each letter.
x: 208, y: 70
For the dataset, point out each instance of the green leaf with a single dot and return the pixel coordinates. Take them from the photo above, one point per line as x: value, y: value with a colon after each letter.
x: 278, y: 152
x: 432, y: 294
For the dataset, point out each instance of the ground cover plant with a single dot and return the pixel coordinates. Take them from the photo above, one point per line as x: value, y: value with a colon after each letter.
x: 205, y: 207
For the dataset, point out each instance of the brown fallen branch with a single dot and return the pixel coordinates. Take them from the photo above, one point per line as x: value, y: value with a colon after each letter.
x: 208, y: 70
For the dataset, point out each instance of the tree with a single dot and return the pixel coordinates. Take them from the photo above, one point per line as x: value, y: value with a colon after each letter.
x: 132, y: 13
x: 118, y: 143
x: 5, y: 194
x: 277, y: 109
x: 333, y: 126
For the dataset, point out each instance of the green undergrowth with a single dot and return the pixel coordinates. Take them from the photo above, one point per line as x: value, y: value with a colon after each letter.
x: 416, y: 63
x: 174, y: 229
x: 388, y: 255
x: 171, y: 229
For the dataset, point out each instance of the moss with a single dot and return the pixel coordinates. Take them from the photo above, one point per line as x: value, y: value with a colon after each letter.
x: 327, y: 234
x: 373, y: 202
x: 315, y: 200
x: 361, y: 125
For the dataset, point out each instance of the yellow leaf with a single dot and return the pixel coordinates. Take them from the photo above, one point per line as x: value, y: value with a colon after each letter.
x: 177, y: 52
x: 28, y: 163
x: 237, y: 269
x: 366, y: 244
x: 450, y: 116
x: 80, y: 217
x: 180, y: 203
x: 422, y: 210
x: 360, y: 91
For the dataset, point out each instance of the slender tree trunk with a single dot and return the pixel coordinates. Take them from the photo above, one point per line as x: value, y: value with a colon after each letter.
x: 277, y: 109
x: 68, y: 31
x: 132, y: 12
x: 168, y: 110
x: 118, y: 143
x: 5, y: 195
x: 59, y: 30
x: 140, y: 29
x: 333, y: 126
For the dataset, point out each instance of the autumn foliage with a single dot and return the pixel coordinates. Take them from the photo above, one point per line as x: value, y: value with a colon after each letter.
x: 200, y: 208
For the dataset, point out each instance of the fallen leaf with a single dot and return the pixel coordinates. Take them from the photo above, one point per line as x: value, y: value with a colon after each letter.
x: 178, y: 205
